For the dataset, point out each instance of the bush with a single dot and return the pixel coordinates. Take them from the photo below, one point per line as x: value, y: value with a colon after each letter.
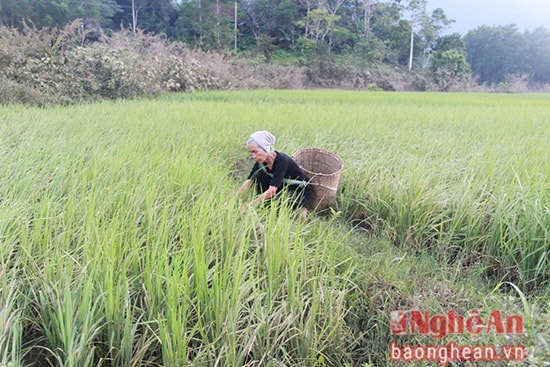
x: 337, y: 72
x: 51, y: 66
x: 351, y: 72
x: 450, y: 70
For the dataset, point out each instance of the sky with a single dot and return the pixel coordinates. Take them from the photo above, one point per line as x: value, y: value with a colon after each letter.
x: 470, y: 14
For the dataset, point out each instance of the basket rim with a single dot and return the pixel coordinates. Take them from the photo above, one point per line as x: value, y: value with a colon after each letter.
x: 324, y: 151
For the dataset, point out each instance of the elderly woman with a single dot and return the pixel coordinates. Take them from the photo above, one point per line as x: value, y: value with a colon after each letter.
x: 275, y: 171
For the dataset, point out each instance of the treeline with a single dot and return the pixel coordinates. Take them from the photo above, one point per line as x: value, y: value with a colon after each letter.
x: 339, y: 42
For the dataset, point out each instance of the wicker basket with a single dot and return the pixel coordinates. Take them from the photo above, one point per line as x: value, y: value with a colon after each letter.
x: 323, y: 169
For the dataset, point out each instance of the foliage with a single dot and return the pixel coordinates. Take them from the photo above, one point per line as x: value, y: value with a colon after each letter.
x: 449, y: 69
x: 208, y: 24
x: 499, y: 52
x: 155, y: 17
x: 58, y: 13
x: 59, y: 66
x: 486, y: 200
x: 486, y: 44
x: 449, y: 42
x: 317, y: 33
x: 538, y: 66
x: 123, y: 242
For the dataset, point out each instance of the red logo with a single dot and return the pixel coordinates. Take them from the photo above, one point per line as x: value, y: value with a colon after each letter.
x: 438, y: 326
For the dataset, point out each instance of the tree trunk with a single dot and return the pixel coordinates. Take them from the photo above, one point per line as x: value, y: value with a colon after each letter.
x: 306, y: 31
x: 200, y: 24
x: 235, y: 28
x: 366, y: 20
x: 412, y: 47
x: 217, y: 30
x: 134, y: 17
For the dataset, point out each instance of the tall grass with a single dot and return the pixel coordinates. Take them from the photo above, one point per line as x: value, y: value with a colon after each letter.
x: 464, y: 174
x: 123, y: 243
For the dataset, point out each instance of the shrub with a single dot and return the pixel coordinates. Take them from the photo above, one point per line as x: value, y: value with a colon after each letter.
x: 51, y: 66
x: 450, y: 70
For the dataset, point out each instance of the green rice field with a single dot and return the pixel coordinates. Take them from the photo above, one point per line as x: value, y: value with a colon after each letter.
x: 123, y: 243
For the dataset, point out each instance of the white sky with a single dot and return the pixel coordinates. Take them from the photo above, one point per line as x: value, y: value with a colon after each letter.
x: 469, y: 14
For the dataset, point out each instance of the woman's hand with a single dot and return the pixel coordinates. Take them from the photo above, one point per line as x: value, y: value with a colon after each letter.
x: 266, y: 195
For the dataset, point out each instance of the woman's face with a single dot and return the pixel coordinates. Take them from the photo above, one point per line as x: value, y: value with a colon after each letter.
x: 257, y: 153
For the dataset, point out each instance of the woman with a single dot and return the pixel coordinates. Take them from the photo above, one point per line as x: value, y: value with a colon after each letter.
x: 275, y: 171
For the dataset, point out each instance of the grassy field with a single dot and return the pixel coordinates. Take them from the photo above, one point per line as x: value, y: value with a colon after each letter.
x: 123, y: 243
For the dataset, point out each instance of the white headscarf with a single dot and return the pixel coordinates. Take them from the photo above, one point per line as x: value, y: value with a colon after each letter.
x: 264, y: 139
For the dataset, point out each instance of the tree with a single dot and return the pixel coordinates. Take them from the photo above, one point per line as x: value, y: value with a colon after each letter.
x: 417, y: 8
x: 274, y: 19
x: 154, y: 16
x: 449, y: 42
x: 398, y: 43
x: 100, y: 11
x: 287, y: 13
x: 390, y: 34
x: 12, y: 11
x: 259, y: 17
x: 494, y: 53
x: 309, y: 5
x: 56, y: 13
x: 320, y: 24
x: 449, y: 68
x: 206, y: 23
x: 367, y: 17
x: 538, y: 64
x: 430, y: 31
x: 189, y: 25
x: 382, y: 22
x: 429, y: 27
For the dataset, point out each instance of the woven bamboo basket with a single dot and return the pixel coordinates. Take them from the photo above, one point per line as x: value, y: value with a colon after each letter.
x: 323, y: 169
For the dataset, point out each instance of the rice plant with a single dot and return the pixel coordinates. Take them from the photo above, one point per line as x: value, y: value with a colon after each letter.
x: 123, y: 242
